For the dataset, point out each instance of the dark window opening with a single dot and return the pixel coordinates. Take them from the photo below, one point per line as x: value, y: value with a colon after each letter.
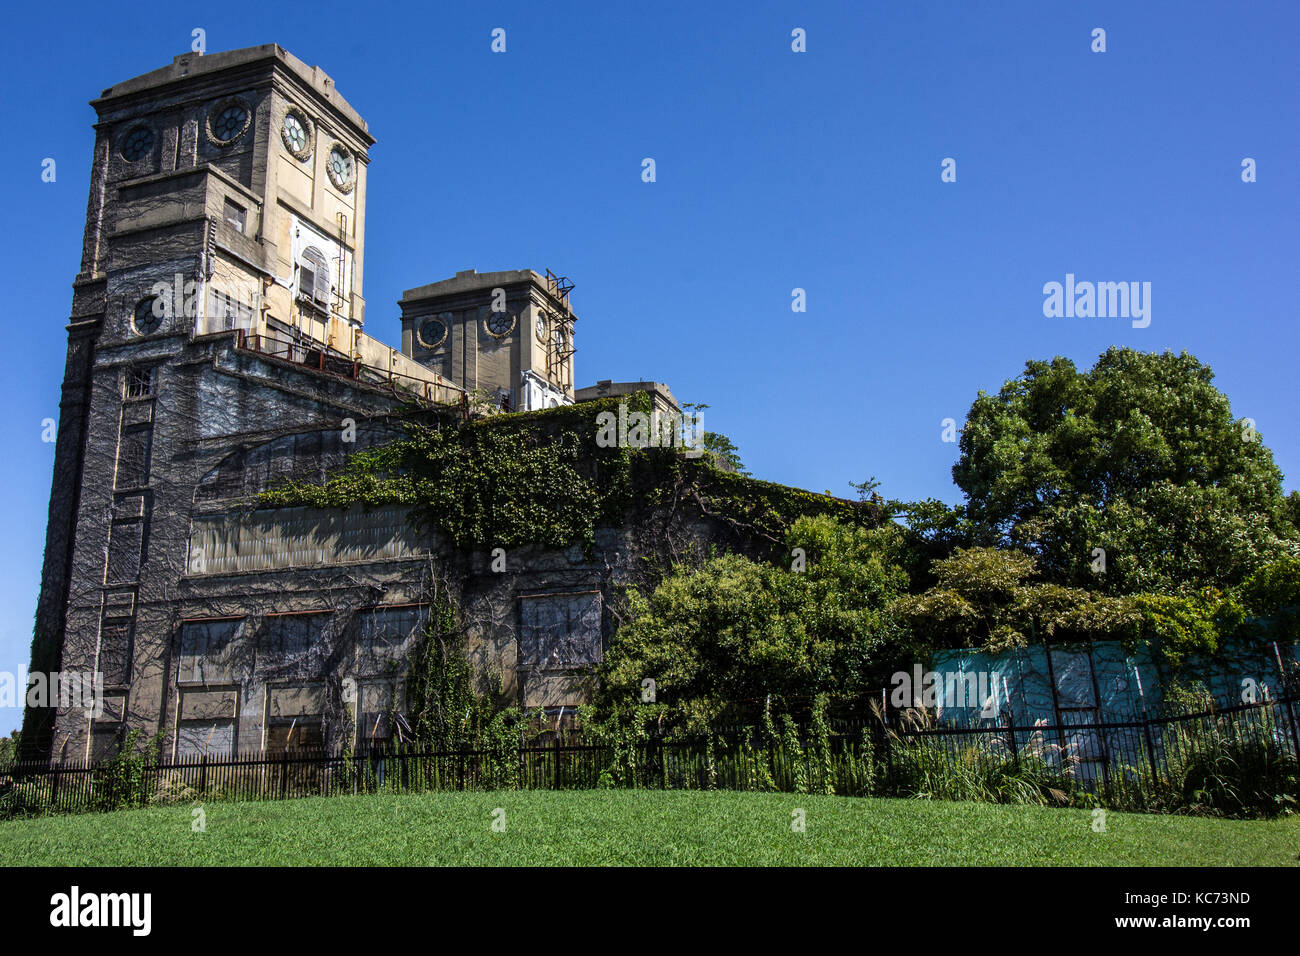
x: 125, y: 550
x: 115, y: 653
x: 139, y: 382
x: 133, y: 452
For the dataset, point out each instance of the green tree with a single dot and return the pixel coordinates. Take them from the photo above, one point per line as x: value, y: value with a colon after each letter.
x: 9, y: 747
x: 1271, y: 598
x: 986, y: 597
x: 1139, y: 456
x: 734, y: 629
x: 724, y: 450
x: 720, y: 448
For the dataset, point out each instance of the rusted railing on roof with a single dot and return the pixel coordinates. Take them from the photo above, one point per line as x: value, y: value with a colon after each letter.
x: 322, y: 358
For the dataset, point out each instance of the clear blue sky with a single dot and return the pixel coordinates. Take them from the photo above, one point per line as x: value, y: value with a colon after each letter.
x: 775, y: 170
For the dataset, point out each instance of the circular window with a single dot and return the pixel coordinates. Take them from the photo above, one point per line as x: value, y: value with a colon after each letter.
x: 148, y: 315
x: 138, y: 144
x: 500, y: 323
x: 432, y: 332
x: 227, y: 121
x: 341, y: 167
x: 295, y: 131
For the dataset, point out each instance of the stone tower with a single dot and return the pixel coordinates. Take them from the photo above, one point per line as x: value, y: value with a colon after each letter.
x: 509, y: 334
x: 218, y: 311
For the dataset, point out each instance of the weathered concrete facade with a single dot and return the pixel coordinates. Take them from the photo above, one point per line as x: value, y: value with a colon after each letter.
x: 215, y: 347
x: 509, y: 334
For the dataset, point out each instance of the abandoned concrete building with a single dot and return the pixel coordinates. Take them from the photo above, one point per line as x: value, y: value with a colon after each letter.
x: 216, y: 345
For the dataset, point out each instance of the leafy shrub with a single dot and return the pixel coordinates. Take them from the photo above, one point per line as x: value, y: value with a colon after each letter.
x: 122, y: 782
x: 977, y: 767
x: 1230, y: 765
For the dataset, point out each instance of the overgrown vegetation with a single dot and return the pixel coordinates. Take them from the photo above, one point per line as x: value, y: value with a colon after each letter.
x: 989, y: 598
x: 1212, y: 765
x: 543, y: 478
x: 1124, y: 502
x: 736, y: 629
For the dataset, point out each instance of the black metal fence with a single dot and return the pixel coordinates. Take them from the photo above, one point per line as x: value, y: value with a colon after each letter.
x: 1233, y: 760
x: 1236, y: 760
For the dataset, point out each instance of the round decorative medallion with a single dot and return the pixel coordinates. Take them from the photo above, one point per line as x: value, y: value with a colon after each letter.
x: 541, y: 326
x: 500, y: 324
x: 342, y: 167
x: 433, y: 332
x: 147, y: 317
x: 137, y: 144
x: 228, y: 120
x: 295, y: 131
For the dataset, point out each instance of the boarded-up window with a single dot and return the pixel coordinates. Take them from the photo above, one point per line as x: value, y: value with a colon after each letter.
x: 206, y: 650
x: 291, y: 644
x: 105, y: 741
x: 125, y: 549
x: 560, y: 631
x: 375, y: 714
x: 300, y: 537
x: 199, y: 738
x: 115, y: 653
x: 133, y: 456
x: 314, y: 276
x: 298, y: 733
x: 308, y: 456
x: 382, y: 634
x: 236, y: 216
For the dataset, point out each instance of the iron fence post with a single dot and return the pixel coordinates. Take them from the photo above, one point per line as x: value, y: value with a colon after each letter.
x: 1287, y: 701
x: 1011, y: 742
x: 557, y: 762
x: 1151, y: 747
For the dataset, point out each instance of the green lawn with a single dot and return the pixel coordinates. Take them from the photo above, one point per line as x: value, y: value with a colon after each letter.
x: 638, y: 828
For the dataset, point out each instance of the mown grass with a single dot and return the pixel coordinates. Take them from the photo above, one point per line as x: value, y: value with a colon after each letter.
x: 639, y: 828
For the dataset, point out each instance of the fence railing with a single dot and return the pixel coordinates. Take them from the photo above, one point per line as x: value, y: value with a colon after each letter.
x: 324, y: 358
x: 1249, y: 751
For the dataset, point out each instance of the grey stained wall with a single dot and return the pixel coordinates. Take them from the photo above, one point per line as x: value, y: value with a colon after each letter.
x: 220, y: 626
x: 228, y: 627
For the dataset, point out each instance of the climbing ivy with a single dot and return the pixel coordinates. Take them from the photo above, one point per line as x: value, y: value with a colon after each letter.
x: 444, y: 709
x: 542, y: 478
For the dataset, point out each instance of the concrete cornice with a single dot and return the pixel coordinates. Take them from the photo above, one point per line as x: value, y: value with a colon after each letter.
x: 251, y: 63
x: 467, y: 283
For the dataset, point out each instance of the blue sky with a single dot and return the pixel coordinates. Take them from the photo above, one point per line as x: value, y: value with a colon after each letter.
x: 775, y: 170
